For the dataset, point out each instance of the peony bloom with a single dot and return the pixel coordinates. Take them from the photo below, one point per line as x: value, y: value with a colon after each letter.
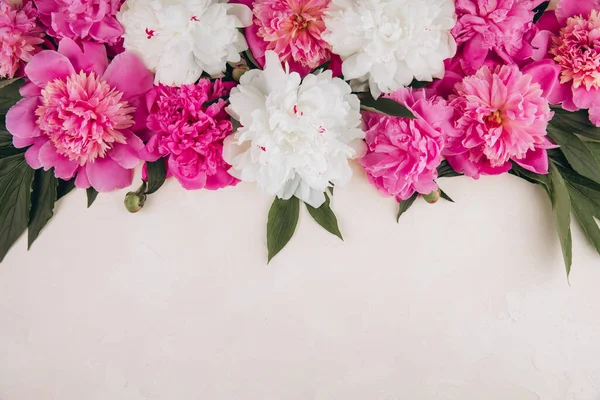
x: 571, y: 37
x: 502, y: 117
x: 499, y: 29
x: 391, y: 42
x: 20, y: 36
x: 189, y: 134
x: 403, y: 154
x: 181, y: 39
x: 296, y: 135
x: 292, y: 29
x: 79, y: 114
x: 92, y: 20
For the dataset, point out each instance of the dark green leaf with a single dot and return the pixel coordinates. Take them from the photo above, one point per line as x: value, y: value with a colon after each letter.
x: 157, y: 173
x: 6, y: 82
x: 446, y: 171
x: 386, y: 106
x: 577, y: 152
x: 325, y: 217
x: 586, y: 187
x: 561, y: 203
x: 404, y: 205
x: 9, y: 95
x: 283, y: 218
x: 415, y: 84
x: 64, y: 188
x: 444, y: 196
x: 235, y: 124
x: 43, y: 197
x: 15, y: 199
x: 91, y: 196
x: 6, y: 147
x: 539, y: 10
x: 577, y: 122
x: 584, y: 212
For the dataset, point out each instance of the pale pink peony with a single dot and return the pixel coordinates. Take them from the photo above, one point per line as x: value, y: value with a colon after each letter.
x: 499, y: 29
x: 502, y: 114
x: 79, y: 114
x: 403, y: 154
x: 190, y: 134
x: 20, y: 36
x: 571, y: 37
x: 291, y: 28
x: 92, y: 20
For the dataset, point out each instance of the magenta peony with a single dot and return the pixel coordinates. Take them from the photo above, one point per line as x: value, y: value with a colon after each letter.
x: 498, y: 29
x: 291, y: 28
x: 502, y: 116
x: 403, y: 154
x: 20, y: 36
x: 92, y: 20
x: 571, y: 37
x: 190, y: 134
x: 79, y: 114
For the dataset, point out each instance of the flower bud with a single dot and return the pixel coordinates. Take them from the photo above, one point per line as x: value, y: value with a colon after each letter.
x: 134, y: 201
x: 432, y: 197
x: 238, y: 71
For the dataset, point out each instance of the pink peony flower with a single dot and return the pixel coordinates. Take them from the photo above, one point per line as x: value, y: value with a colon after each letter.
x: 291, y: 28
x: 499, y: 29
x: 502, y: 116
x: 190, y: 134
x: 79, y: 114
x: 92, y: 20
x: 571, y: 37
x: 403, y: 154
x: 20, y: 36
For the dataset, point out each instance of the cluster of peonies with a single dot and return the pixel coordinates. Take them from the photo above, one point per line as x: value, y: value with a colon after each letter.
x: 111, y: 83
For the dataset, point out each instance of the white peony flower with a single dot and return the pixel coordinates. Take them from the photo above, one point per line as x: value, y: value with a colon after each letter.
x: 296, y: 135
x: 179, y: 39
x: 391, y: 42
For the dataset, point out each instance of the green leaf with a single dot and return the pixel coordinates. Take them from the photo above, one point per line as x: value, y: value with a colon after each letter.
x: 577, y: 152
x: 64, y: 188
x: 415, y: 84
x: 404, y: 205
x: 539, y: 11
x: 561, y: 203
x: 584, y: 212
x: 325, y: 217
x: 6, y: 82
x: 281, y: 225
x: 9, y: 95
x: 157, y: 173
x: 444, y: 196
x: 6, y: 147
x: 446, y: 171
x: 235, y: 125
x: 43, y: 197
x: 15, y: 199
x: 386, y: 106
x: 575, y: 122
x: 91, y: 196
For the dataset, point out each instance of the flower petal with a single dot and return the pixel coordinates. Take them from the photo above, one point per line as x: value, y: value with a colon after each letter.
x: 128, y: 74
x: 21, y: 118
x: 47, y: 66
x: 105, y: 175
x: 63, y: 167
x: 92, y: 59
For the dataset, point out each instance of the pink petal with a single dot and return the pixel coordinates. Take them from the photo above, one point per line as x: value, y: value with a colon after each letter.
x: 189, y: 183
x: 82, y: 181
x: 128, y: 74
x: 549, y: 22
x: 105, y: 175
x: 535, y: 161
x: 570, y: 8
x: 257, y: 45
x: 595, y: 115
x: 584, y: 98
x: 63, y: 167
x: 545, y: 73
x: 92, y: 59
x: 32, y: 155
x: 220, y: 180
x: 30, y: 89
x: 541, y: 44
x: 127, y: 155
x: 47, y: 66
x: 108, y: 30
x: 21, y: 118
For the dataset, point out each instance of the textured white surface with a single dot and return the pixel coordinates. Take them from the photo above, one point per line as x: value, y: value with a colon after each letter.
x: 459, y: 301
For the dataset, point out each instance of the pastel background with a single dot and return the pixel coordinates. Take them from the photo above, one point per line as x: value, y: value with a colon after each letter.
x: 459, y: 301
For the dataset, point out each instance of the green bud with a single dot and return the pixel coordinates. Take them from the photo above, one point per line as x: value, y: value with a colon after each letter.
x: 432, y: 197
x: 238, y: 71
x: 134, y: 201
